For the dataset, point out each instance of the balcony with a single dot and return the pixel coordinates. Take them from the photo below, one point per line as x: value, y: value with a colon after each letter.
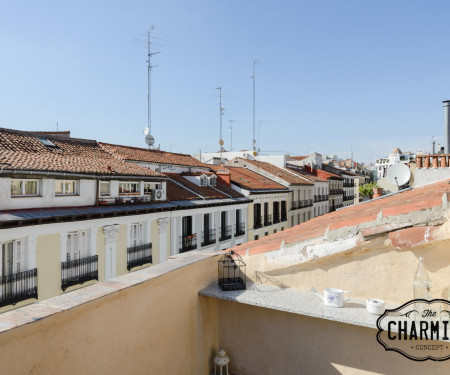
x: 283, y: 216
x: 188, y: 242
x: 349, y: 184
x: 225, y: 233
x: 208, y: 237
x: 79, y: 271
x: 18, y: 287
x: 267, y: 220
x: 139, y: 255
x: 276, y: 218
x: 257, y: 222
x: 124, y: 199
x: 240, y: 229
x: 349, y: 198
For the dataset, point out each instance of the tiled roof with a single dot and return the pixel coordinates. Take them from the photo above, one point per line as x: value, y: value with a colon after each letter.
x: 21, y: 150
x: 305, y: 174
x: 289, y: 177
x: 218, y: 192
x: 327, y: 175
x: 249, y: 180
x: 152, y: 156
x: 392, y: 206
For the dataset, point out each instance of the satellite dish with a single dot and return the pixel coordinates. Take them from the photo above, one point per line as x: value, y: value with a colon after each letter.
x: 149, y: 140
x: 146, y: 130
x: 399, y: 174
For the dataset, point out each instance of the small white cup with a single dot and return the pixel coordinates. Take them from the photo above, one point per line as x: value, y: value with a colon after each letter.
x: 335, y: 297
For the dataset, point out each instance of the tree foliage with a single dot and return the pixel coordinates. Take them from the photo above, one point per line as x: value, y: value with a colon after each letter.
x: 366, y: 190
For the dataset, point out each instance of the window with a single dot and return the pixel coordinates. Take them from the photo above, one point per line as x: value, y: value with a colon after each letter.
x: 45, y: 141
x: 104, y: 188
x: 137, y: 234
x: 76, y: 246
x: 213, y: 180
x: 131, y: 188
x: 203, y: 180
x: 24, y: 187
x: 13, y: 257
x: 64, y: 187
x: 256, y: 237
x: 148, y: 189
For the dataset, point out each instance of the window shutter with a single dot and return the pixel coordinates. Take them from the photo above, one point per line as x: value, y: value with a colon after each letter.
x: 82, y: 247
x: 18, y: 256
x: 68, y: 247
x: 76, y: 246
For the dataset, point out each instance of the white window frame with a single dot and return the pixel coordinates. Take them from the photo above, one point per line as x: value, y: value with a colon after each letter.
x: 75, y: 188
x: 77, y: 245
x: 213, y: 180
x: 138, y: 192
x: 19, y: 256
x: 137, y: 235
x: 203, y: 180
x: 23, y: 187
x: 100, y: 189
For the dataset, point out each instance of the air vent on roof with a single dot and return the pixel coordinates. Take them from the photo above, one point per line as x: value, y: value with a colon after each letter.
x: 45, y: 141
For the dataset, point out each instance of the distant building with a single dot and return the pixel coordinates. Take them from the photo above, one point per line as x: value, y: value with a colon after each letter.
x: 395, y: 157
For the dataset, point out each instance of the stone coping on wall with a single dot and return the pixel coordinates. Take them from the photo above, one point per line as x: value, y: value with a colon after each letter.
x: 43, y: 309
x: 298, y: 302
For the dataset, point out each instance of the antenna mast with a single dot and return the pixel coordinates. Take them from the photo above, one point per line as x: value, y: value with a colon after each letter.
x: 259, y: 134
x: 254, y: 105
x: 149, y: 139
x: 231, y: 137
x: 221, y: 109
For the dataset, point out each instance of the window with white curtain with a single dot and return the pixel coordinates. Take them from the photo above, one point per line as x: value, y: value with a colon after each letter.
x: 13, y: 257
x: 77, y: 245
x: 137, y: 235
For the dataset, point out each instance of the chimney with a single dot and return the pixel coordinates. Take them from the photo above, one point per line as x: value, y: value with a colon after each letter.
x: 224, y: 176
x: 446, y: 126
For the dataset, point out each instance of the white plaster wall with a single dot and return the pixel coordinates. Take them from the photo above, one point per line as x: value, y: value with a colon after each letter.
x: 277, y: 160
x: 426, y: 176
x: 85, y: 195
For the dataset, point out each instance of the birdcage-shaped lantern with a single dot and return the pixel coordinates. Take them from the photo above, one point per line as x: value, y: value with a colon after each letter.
x: 231, y: 270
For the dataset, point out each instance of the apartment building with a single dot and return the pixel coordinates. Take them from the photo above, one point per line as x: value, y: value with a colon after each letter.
x: 72, y: 213
x: 321, y: 189
x: 301, y: 191
x: 267, y: 213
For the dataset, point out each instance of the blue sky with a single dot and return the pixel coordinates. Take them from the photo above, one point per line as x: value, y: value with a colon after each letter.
x: 334, y: 75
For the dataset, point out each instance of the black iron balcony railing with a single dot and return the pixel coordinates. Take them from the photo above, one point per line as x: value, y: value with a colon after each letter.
x: 240, y: 229
x: 208, y: 237
x: 225, y: 233
x: 325, y: 197
x: 349, y: 198
x: 316, y: 198
x: 276, y: 218
x: 309, y: 202
x: 124, y: 199
x: 188, y: 242
x: 18, y: 287
x: 349, y: 184
x: 267, y: 220
x: 283, y: 216
x: 139, y: 255
x: 257, y: 223
x: 78, y: 271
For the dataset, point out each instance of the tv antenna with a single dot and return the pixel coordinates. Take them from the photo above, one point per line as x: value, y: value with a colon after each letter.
x: 149, y: 139
x: 259, y: 134
x: 231, y: 134
x: 256, y: 61
x: 399, y: 175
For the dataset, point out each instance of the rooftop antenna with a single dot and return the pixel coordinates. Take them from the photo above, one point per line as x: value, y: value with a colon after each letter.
x: 221, y: 110
x: 231, y: 135
x: 433, y: 143
x: 149, y: 139
x: 259, y: 134
x: 57, y: 127
x: 256, y: 61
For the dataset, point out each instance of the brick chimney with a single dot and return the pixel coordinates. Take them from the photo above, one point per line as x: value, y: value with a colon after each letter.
x: 224, y: 176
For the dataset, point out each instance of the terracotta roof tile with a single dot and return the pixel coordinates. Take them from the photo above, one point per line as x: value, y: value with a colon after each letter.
x: 306, y: 174
x: 21, y: 150
x: 250, y: 180
x: 285, y: 175
x: 207, y: 192
x: 152, y: 156
x: 402, y: 203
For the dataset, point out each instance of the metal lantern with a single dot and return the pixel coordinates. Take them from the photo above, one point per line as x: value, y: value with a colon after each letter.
x: 231, y: 270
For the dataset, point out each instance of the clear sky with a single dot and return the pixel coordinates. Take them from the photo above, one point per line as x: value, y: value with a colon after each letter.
x: 334, y: 75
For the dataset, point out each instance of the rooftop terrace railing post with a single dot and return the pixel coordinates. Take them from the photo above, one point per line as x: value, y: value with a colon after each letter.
x: 18, y: 287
